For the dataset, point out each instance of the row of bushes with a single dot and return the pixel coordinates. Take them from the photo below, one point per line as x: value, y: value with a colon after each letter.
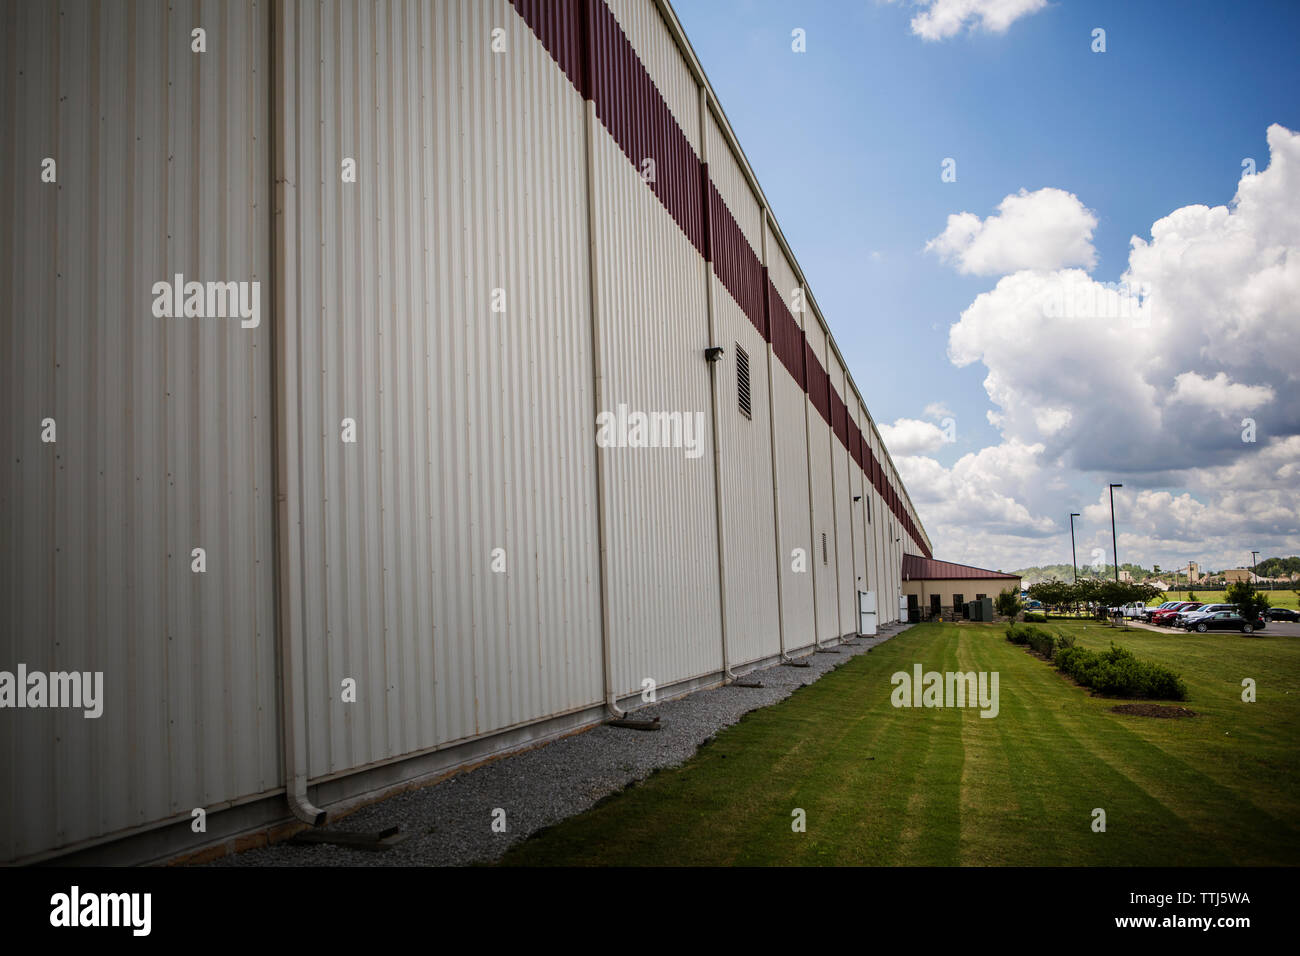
x: 1114, y: 673
x: 1117, y: 673
x: 1039, y: 639
x: 1036, y: 617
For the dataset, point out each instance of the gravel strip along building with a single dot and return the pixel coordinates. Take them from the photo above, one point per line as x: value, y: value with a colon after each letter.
x: 390, y: 386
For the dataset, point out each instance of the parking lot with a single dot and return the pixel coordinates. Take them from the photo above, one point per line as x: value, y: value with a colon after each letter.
x: 1274, y: 628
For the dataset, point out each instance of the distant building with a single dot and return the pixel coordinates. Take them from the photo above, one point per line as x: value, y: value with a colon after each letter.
x: 1157, y: 583
x: 936, y: 589
x: 1125, y: 575
x: 1233, y: 575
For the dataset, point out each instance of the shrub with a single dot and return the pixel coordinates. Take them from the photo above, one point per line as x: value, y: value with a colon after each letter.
x: 1117, y: 673
x: 1041, y: 641
x: 1007, y: 603
x: 1036, y: 617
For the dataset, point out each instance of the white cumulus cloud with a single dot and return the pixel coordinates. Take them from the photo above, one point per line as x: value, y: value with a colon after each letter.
x: 910, y: 436
x: 1045, y: 229
x: 945, y: 18
x: 1219, y: 392
x: 1149, y: 389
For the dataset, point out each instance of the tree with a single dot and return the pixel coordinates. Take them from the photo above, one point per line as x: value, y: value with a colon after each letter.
x: 1007, y: 603
x: 1117, y: 593
x: 1250, y: 601
x: 1052, y: 593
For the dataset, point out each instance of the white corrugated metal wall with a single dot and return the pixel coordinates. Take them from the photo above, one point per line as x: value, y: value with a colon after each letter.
x: 842, y: 462
x: 470, y: 196
x: 790, y: 437
x: 446, y: 560
x: 753, y: 625
x: 824, y: 555
x: 163, y: 425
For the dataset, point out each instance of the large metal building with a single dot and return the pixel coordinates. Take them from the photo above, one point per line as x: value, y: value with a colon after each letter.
x: 366, y: 416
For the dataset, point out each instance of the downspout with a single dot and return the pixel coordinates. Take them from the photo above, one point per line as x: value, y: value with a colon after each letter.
x: 719, y: 511
x: 807, y: 444
x: 597, y: 367
x: 776, y: 476
x: 831, y: 439
x: 853, y: 538
x: 284, y: 364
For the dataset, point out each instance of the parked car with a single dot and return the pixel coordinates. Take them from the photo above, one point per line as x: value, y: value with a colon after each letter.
x: 1128, y: 610
x: 1223, y: 621
x: 1167, y: 617
x: 1205, y: 610
x: 1150, y: 612
x: 1282, y: 614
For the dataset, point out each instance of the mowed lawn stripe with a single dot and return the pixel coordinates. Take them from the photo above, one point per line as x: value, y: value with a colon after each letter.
x: 933, y: 810
x: 996, y: 783
x: 1035, y: 741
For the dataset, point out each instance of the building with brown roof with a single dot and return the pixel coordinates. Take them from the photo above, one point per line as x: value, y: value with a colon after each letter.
x: 940, y: 589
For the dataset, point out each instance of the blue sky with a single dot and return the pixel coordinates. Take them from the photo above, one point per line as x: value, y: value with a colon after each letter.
x: 847, y: 139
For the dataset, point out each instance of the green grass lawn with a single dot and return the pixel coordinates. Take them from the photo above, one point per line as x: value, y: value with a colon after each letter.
x: 942, y: 786
x: 1275, y: 598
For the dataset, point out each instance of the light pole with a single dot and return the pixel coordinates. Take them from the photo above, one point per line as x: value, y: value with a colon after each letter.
x: 1074, y: 560
x: 1254, y: 573
x: 1114, y: 548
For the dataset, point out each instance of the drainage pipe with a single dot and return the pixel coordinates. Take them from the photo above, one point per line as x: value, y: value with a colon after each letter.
x: 284, y: 348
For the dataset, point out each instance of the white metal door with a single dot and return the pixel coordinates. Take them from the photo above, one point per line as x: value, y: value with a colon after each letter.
x: 867, y: 613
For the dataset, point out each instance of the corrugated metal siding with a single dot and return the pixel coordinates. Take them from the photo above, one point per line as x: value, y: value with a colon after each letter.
x: 796, y: 530
x: 876, y: 522
x: 558, y: 25
x: 469, y: 165
x: 789, y: 435
x: 737, y: 265
x: 785, y: 334
x: 164, y: 424
x: 819, y: 476
x: 753, y: 629
x: 862, y: 580
x: 633, y: 110
x: 655, y: 48
x: 842, y: 464
x: 664, y: 606
x: 733, y: 187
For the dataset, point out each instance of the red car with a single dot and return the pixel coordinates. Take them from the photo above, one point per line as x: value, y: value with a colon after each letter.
x: 1166, y: 617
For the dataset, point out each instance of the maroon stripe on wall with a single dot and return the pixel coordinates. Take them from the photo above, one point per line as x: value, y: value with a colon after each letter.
x: 787, y: 337
x: 706, y: 191
x: 734, y: 261
x: 558, y: 24
x: 819, y: 384
x: 839, y: 418
x: 631, y: 107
